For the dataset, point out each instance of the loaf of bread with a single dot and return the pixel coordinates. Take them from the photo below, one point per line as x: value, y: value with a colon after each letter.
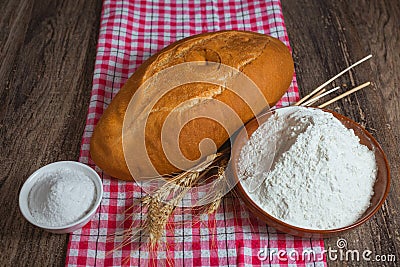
x: 264, y: 59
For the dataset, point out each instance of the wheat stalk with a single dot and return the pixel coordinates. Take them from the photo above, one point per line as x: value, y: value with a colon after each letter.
x: 162, y: 202
x: 159, y: 210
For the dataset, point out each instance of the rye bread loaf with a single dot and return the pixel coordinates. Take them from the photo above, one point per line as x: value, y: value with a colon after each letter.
x: 264, y: 59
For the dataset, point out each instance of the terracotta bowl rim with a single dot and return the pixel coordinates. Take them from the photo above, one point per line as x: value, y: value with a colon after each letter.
x: 322, y: 232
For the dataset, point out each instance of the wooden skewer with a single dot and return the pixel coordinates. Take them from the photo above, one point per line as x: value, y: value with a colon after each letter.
x: 345, y: 94
x: 316, y: 97
x: 312, y: 103
x: 313, y: 94
x: 331, y: 79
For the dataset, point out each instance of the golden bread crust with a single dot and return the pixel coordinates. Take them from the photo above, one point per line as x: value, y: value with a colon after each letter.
x: 264, y: 59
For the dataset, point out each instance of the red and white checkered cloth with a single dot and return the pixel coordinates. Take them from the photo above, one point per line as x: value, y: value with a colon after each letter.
x: 131, y: 31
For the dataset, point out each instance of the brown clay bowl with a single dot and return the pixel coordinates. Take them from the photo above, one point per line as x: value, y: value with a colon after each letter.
x: 381, y: 187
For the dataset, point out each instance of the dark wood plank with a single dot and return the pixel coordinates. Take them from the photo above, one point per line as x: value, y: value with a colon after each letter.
x: 47, y: 51
x: 327, y: 36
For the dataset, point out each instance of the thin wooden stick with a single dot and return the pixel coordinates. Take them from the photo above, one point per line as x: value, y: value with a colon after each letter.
x: 316, y: 97
x: 310, y: 105
x: 331, y: 79
x: 345, y: 94
x: 319, y: 93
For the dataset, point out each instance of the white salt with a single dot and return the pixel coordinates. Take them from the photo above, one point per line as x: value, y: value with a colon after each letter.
x: 61, y: 197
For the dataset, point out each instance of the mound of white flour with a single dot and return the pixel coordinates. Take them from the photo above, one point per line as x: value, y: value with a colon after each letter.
x: 321, y: 176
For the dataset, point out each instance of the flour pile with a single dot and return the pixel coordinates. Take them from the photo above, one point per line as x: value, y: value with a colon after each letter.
x: 321, y: 176
x: 61, y: 197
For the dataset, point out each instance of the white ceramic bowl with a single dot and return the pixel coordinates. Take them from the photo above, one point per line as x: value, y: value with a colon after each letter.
x: 72, y: 165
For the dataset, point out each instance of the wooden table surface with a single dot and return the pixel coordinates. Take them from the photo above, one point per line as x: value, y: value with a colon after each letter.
x: 47, y: 60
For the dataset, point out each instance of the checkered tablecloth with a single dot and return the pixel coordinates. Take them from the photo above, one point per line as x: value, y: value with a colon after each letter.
x: 131, y: 31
